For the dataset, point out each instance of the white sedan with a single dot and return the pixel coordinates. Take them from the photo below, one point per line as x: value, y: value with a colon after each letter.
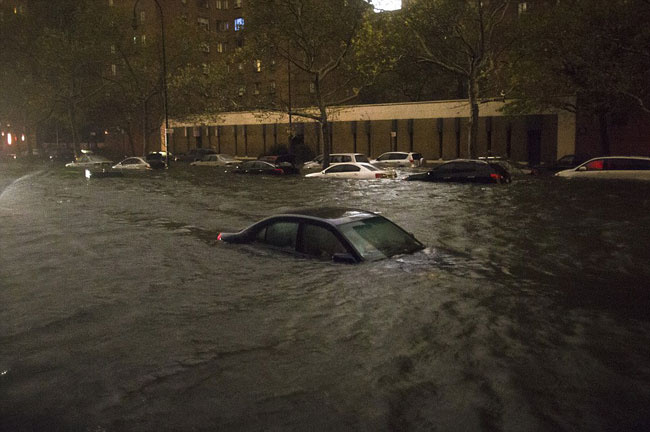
x: 216, y: 160
x: 133, y: 163
x: 353, y: 171
x: 90, y: 161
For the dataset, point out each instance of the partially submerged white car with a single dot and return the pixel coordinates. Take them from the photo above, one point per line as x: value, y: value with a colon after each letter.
x: 217, y: 160
x: 90, y: 161
x: 399, y: 159
x: 611, y: 167
x: 317, y: 162
x: 353, y: 171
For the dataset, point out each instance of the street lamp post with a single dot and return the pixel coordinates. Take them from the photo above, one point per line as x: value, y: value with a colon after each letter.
x: 164, y: 68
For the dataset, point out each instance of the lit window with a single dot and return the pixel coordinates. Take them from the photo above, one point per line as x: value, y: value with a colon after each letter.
x: 522, y: 7
x: 239, y: 24
x: 206, y: 68
x: 114, y: 69
x: 312, y: 88
x: 242, y: 91
x: 221, y: 47
x: 143, y: 40
x: 204, y: 23
x: 237, y: 4
x: 257, y: 88
x: 110, y: 2
x: 113, y: 49
x: 258, y: 65
x: 205, y: 47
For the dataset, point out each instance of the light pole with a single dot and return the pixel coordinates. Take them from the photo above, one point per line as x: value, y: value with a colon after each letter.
x: 164, y: 68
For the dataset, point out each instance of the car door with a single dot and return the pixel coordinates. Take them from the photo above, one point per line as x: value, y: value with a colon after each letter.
x: 318, y: 241
x: 281, y: 235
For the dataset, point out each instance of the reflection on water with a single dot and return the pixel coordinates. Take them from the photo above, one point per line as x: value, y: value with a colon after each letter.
x: 528, y: 309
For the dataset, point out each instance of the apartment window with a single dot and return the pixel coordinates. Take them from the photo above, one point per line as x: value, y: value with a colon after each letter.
x: 312, y: 88
x: 237, y: 4
x: 223, y: 25
x: 522, y: 7
x: 204, y: 4
x: 142, y: 16
x: 258, y: 65
x: 239, y: 24
x: 205, y: 47
x: 113, y: 49
x: 257, y: 88
x: 242, y: 90
x: 204, y: 23
x: 113, y: 69
x: 272, y: 87
x: 222, y: 4
x: 143, y: 40
x: 206, y: 68
x: 240, y: 66
x: 221, y: 47
x: 184, y: 2
x: 110, y: 3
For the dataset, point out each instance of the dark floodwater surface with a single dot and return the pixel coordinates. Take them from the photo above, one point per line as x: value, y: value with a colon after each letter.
x: 529, y: 310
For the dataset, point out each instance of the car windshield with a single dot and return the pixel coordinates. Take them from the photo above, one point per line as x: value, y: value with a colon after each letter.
x: 378, y: 238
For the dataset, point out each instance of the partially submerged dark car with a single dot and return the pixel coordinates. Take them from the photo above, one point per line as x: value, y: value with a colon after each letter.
x: 465, y: 171
x: 330, y: 233
x: 258, y: 167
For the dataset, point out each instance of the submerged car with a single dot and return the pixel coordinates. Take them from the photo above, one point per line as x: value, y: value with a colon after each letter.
x: 464, y: 171
x: 564, y: 163
x: 216, y: 160
x: 90, y: 161
x: 336, y: 234
x: 136, y: 163
x: 335, y: 158
x: 611, y: 167
x: 353, y: 171
x: 399, y: 159
x: 258, y: 167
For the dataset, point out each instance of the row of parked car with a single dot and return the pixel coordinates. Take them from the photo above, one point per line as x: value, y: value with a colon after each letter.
x: 359, y: 166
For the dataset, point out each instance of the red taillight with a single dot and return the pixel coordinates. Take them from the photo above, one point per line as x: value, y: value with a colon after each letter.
x: 379, y: 175
x: 278, y: 171
x: 219, y: 237
x: 496, y: 177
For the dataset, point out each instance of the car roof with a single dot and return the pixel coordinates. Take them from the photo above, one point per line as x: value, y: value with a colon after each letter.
x: 621, y: 157
x: 465, y: 160
x: 332, y: 215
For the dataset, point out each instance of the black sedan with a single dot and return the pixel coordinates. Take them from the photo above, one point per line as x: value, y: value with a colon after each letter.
x: 464, y: 171
x: 257, y: 167
x: 337, y: 234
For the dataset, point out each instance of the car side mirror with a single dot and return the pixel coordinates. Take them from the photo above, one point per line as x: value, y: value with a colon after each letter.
x: 345, y: 258
x: 582, y: 168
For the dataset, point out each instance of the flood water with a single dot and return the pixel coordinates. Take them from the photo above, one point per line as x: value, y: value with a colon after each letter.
x: 529, y: 309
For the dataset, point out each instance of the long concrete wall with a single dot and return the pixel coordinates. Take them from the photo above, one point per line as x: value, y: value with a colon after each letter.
x: 436, y: 129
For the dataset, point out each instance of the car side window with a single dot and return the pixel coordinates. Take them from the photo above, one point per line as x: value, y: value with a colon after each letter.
x: 282, y: 235
x: 446, y: 168
x: 346, y: 159
x: 383, y: 157
x: 398, y: 156
x: 320, y: 242
x: 342, y: 168
x: 595, y: 165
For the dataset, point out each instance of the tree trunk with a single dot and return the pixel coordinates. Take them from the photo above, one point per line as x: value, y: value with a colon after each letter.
x: 325, y: 136
x: 73, y: 130
x: 473, y: 91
